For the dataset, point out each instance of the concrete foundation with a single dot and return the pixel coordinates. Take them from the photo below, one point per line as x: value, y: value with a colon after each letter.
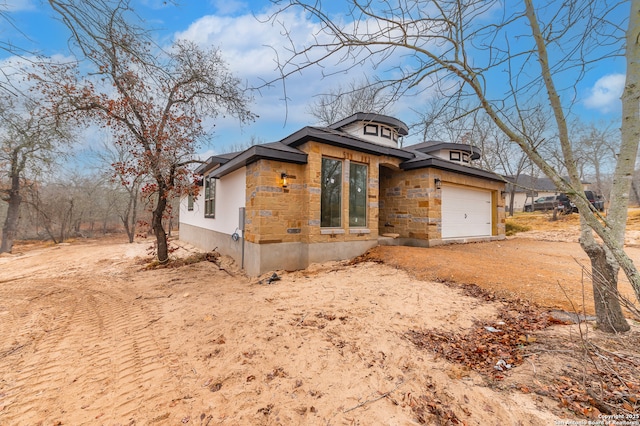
x: 261, y: 258
x: 207, y: 239
x: 416, y: 242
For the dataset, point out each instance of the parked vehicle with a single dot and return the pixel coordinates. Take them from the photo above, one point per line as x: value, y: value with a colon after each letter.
x: 595, y: 199
x: 565, y: 202
x: 548, y: 203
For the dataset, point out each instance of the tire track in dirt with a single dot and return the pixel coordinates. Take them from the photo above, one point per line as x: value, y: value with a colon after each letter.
x: 101, y: 342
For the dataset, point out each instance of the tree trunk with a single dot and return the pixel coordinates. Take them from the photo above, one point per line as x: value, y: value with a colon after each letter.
x: 126, y: 218
x: 10, y: 227
x: 512, y: 200
x: 158, y: 229
x: 130, y: 216
x: 604, y: 265
x: 134, y: 213
x: 634, y: 187
x: 609, y: 316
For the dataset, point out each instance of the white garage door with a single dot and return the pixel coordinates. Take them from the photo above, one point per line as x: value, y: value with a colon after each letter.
x: 465, y: 212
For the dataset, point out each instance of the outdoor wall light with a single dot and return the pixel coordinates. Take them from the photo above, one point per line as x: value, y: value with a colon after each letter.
x: 438, y: 183
x: 283, y: 180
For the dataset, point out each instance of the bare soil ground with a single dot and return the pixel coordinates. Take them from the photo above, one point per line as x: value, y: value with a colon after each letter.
x: 89, y: 335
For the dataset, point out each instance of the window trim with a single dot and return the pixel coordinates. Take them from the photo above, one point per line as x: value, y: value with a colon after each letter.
x: 340, y: 194
x: 210, y: 197
x: 371, y: 129
x: 366, y: 192
x: 190, y: 202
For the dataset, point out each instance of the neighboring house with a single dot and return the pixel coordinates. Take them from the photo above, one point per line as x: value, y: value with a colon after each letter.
x: 331, y: 193
x: 528, y: 188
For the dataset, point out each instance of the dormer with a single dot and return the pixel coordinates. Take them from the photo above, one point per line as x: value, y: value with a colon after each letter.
x: 375, y: 128
x: 454, y: 152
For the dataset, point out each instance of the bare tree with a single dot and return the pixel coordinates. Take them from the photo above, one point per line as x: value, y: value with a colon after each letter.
x: 343, y: 101
x: 445, y: 121
x: 55, y: 205
x: 596, y: 148
x: 118, y: 162
x: 29, y: 141
x: 470, y: 49
x: 241, y: 146
x: 157, y: 101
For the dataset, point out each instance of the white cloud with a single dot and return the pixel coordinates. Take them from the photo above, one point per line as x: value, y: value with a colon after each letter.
x: 605, y: 93
x: 253, y: 44
x: 228, y: 7
x: 249, y: 43
x: 16, y: 5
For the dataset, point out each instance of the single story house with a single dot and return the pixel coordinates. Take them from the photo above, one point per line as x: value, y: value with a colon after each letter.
x: 527, y: 188
x: 331, y: 193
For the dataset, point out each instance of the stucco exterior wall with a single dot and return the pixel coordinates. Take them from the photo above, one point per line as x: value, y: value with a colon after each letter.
x: 230, y: 196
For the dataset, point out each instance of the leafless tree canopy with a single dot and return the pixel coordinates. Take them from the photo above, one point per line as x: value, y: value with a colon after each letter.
x: 154, y: 101
x: 30, y: 141
x: 511, y: 60
x: 343, y: 101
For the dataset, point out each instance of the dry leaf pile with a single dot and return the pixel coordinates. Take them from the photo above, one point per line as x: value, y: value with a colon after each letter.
x: 605, y: 382
x: 491, y: 349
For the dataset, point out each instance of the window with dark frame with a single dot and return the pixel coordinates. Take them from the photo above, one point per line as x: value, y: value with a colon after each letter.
x: 210, y: 197
x: 357, y: 195
x: 371, y: 129
x: 331, y: 193
x: 190, y: 202
x: 465, y: 157
x: 454, y: 155
x: 385, y: 132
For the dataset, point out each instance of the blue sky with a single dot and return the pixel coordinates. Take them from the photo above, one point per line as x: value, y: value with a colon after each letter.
x: 247, y: 45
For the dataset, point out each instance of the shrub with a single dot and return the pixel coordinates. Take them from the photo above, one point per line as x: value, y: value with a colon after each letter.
x: 512, y: 228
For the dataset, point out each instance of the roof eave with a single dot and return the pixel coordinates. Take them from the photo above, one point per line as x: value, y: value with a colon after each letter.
x: 308, y: 134
x: 438, y: 163
x: 259, y: 152
x: 400, y: 126
x: 210, y: 164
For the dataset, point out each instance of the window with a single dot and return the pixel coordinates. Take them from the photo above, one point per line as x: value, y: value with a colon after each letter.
x: 210, y: 197
x: 454, y: 155
x: 190, y: 202
x: 371, y: 129
x: 385, y: 132
x: 331, y: 193
x: 465, y: 157
x: 357, y: 195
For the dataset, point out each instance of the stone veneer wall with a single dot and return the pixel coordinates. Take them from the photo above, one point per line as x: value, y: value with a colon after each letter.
x: 283, y: 224
x: 411, y: 206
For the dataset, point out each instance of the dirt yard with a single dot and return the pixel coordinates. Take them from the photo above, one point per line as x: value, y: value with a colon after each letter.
x: 88, y: 335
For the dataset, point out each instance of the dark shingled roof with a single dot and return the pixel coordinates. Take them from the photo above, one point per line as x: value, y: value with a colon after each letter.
x: 433, y: 146
x: 525, y: 183
x: 402, y: 128
x: 413, y: 157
